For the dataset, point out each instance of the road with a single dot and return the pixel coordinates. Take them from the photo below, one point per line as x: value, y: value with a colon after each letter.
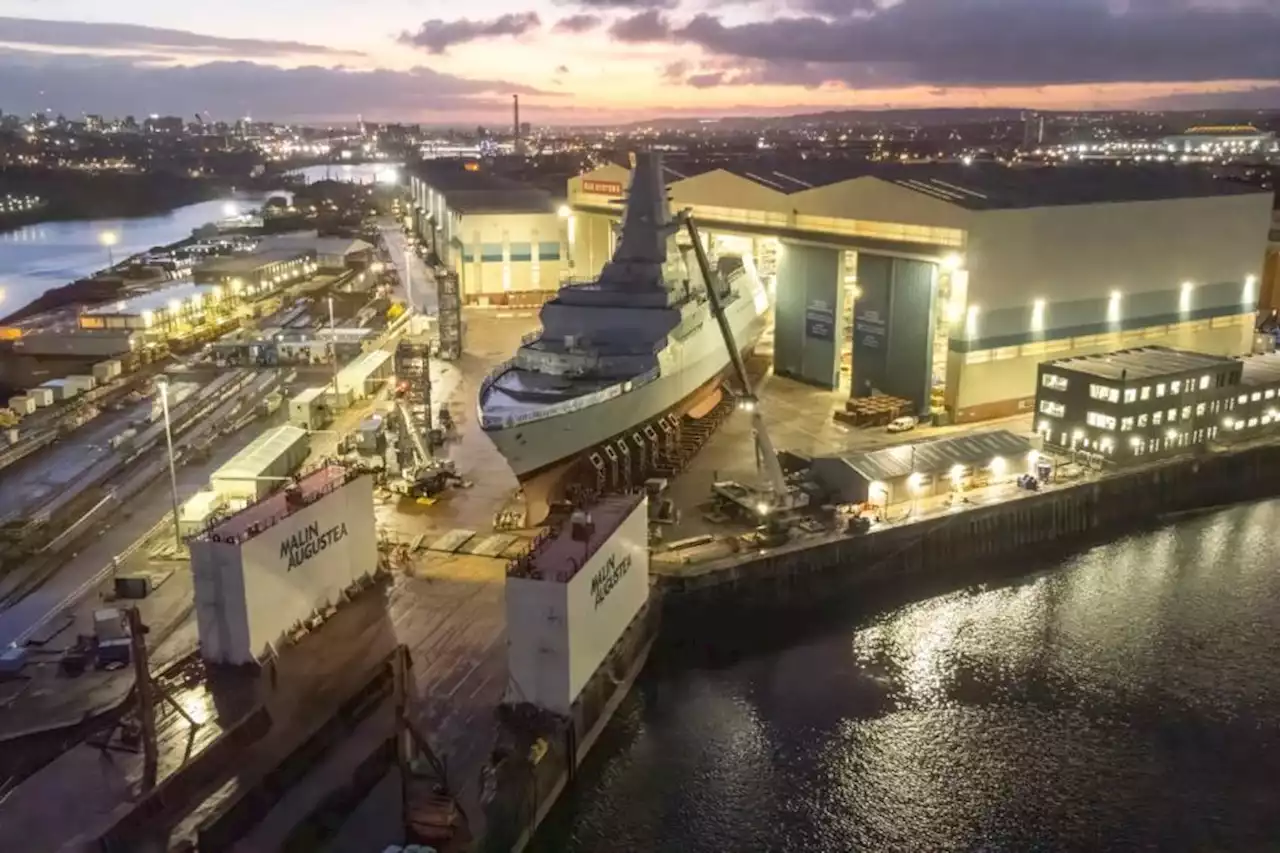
x: 421, y: 283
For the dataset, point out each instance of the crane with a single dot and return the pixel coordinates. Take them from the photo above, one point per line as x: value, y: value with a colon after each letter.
x: 781, y: 497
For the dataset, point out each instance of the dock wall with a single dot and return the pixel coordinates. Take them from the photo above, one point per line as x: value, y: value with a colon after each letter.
x: 1030, y: 524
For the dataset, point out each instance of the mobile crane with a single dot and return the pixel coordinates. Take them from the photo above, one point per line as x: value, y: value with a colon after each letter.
x: 777, y: 499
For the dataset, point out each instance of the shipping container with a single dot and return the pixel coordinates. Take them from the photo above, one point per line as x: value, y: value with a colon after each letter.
x: 82, y: 381
x: 42, y: 396
x: 361, y: 377
x: 310, y: 409
x: 264, y: 465
x: 105, y: 371
x: 22, y: 404
x: 62, y: 390
x: 197, y: 511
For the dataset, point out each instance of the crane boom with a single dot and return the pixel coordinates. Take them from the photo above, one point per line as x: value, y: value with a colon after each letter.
x: 766, y: 456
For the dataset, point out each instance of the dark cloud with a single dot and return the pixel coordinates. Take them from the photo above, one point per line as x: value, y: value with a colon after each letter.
x: 29, y: 31
x: 707, y: 80
x: 641, y: 27
x: 835, y: 8
x: 576, y: 24
x: 623, y: 4
x: 562, y: 69
x: 676, y: 71
x: 74, y: 84
x: 436, y: 36
x: 1000, y: 42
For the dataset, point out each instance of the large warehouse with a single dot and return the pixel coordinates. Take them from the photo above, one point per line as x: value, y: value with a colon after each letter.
x: 504, y: 239
x: 947, y: 284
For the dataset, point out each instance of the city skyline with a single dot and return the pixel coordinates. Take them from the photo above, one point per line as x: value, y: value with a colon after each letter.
x: 604, y: 61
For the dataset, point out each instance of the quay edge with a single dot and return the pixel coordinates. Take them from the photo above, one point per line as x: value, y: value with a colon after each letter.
x: 1069, y: 517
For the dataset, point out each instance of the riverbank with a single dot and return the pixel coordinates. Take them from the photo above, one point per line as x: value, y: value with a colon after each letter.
x: 72, y: 195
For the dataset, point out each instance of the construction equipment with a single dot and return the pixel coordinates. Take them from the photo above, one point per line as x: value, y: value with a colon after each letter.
x: 777, y: 498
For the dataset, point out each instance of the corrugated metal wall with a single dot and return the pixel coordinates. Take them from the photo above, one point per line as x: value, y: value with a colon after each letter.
x: 893, y: 327
x: 809, y: 314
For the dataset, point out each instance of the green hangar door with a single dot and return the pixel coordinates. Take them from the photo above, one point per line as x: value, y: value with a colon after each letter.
x: 809, y: 314
x: 893, y: 326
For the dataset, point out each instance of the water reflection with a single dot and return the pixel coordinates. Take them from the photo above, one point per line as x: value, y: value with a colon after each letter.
x: 1128, y: 698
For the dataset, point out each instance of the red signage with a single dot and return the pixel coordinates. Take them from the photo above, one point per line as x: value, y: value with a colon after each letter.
x: 602, y: 187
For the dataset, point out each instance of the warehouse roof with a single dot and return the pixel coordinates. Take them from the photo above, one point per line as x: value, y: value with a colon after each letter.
x: 1262, y: 369
x: 480, y: 191
x: 937, y: 457
x: 245, y: 264
x: 260, y: 454
x: 977, y: 186
x: 155, y: 300
x: 1140, y: 363
x: 300, y: 242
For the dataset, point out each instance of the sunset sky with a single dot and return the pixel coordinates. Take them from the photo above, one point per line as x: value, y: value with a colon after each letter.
x: 598, y: 61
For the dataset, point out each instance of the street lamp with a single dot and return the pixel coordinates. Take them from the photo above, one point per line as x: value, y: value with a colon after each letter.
x: 109, y: 239
x: 162, y: 384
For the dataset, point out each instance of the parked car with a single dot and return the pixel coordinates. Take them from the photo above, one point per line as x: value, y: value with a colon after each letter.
x: 905, y: 423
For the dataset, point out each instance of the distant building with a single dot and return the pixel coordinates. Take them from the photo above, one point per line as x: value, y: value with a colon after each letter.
x: 506, y: 240
x: 1225, y: 139
x: 257, y: 272
x: 947, y: 284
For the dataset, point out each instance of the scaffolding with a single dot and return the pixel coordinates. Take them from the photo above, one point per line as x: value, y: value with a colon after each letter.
x: 449, y: 300
x: 413, y: 372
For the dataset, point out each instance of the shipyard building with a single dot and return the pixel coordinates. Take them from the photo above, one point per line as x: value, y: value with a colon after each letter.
x: 505, y: 240
x: 947, y: 285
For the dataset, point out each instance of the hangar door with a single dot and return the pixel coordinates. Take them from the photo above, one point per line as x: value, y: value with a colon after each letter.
x: 809, y: 314
x: 893, y: 326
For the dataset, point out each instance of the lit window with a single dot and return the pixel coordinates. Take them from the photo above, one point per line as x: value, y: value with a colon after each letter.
x: 1146, y: 392
x: 1142, y: 420
x: 1102, y: 392
x: 1130, y: 395
x: 1054, y: 382
x: 1271, y: 392
x: 1253, y: 422
x: 1052, y: 409
x: 1173, y: 415
x: 1157, y: 418
x: 1204, y: 382
x: 1186, y: 412
x: 1099, y: 420
x: 1255, y: 396
x: 1175, y: 387
x: 1126, y: 424
x: 1200, y: 409
x: 1243, y: 398
x: 1160, y: 390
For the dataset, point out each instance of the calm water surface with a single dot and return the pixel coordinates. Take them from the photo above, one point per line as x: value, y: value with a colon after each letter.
x: 1127, y: 699
x: 37, y: 258
x: 40, y: 257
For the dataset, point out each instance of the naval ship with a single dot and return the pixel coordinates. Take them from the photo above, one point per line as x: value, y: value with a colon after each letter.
x: 635, y: 343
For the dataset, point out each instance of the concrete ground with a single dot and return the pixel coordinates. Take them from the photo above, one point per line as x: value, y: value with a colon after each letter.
x: 799, y: 419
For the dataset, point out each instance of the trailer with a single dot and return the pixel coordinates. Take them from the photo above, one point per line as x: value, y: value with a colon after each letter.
x: 105, y: 371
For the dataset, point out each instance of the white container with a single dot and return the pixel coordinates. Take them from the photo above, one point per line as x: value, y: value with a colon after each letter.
x: 196, y: 512
x: 82, y: 381
x: 262, y: 467
x: 61, y: 389
x: 42, y: 396
x: 22, y: 404
x: 105, y: 371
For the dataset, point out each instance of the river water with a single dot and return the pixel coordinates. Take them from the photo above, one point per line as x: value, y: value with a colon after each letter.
x: 1127, y: 698
x: 39, y: 257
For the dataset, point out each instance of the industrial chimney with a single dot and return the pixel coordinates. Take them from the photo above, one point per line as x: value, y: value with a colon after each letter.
x: 515, y: 105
